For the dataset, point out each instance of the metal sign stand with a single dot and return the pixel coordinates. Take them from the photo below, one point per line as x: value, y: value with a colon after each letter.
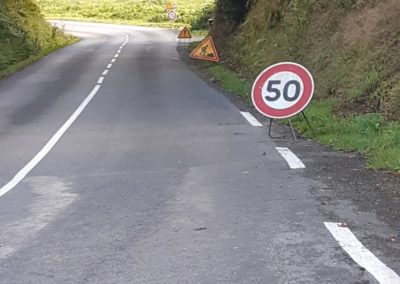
x: 185, y: 41
x: 291, y: 127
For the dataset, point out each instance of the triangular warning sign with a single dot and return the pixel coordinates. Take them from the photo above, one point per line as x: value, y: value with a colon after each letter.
x: 185, y: 33
x: 206, y: 51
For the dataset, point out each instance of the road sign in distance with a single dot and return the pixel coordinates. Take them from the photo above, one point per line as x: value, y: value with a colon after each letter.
x: 169, y: 6
x: 283, y: 90
x: 172, y: 15
x: 206, y: 51
x: 185, y: 34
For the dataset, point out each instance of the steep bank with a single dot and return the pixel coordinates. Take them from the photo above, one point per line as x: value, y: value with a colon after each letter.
x: 25, y: 35
x: 351, y: 47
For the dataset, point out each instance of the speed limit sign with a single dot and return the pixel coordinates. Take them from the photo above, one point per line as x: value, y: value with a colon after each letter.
x: 283, y: 90
x: 171, y: 15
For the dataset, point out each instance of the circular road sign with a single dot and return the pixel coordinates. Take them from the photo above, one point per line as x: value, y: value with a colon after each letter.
x: 172, y: 15
x: 283, y: 90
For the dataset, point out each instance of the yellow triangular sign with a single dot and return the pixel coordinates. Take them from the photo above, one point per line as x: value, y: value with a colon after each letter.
x: 185, y: 33
x: 206, y: 51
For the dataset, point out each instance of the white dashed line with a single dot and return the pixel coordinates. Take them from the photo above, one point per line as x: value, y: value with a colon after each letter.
x: 361, y: 255
x: 105, y: 72
x: 116, y: 55
x: 292, y: 160
x: 251, y: 119
x: 57, y: 136
x: 50, y: 144
x: 119, y: 51
x: 101, y: 80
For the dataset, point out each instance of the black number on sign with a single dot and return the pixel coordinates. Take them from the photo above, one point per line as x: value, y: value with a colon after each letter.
x: 296, y: 93
x: 273, y: 90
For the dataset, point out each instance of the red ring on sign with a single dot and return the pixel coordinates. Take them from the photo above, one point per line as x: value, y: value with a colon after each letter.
x: 305, y: 98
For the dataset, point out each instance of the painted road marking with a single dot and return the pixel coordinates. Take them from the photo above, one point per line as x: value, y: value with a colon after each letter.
x: 113, y: 60
x: 105, y: 72
x: 251, y: 119
x: 116, y: 55
x: 361, y: 255
x: 101, y: 80
x: 54, y: 139
x: 119, y: 51
x: 50, y: 144
x: 291, y: 159
x: 109, y: 66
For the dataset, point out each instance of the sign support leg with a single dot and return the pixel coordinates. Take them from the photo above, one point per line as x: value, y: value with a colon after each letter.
x: 291, y: 127
x: 293, y: 132
x: 270, y: 128
x: 308, y: 122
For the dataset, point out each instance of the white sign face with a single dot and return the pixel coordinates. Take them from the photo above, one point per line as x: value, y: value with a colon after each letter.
x: 288, y: 85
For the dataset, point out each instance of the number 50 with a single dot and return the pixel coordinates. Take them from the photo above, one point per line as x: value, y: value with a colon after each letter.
x: 275, y: 93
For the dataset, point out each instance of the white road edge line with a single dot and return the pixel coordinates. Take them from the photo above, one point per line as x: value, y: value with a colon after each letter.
x: 50, y: 144
x: 251, y: 119
x: 109, y: 66
x: 292, y: 160
x: 361, y: 255
x: 105, y: 72
x: 101, y: 80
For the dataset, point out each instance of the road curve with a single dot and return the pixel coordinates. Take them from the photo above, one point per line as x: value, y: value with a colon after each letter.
x: 159, y: 179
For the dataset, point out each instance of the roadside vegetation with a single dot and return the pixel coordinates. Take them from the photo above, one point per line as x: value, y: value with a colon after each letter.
x: 352, y: 47
x: 192, y: 13
x: 370, y: 134
x: 25, y: 36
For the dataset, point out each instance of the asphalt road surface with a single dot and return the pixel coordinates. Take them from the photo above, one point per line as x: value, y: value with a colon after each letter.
x: 145, y: 174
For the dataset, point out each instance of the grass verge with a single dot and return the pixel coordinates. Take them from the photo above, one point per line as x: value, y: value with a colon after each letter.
x: 33, y: 58
x: 25, y: 36
x: 369, y: 134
